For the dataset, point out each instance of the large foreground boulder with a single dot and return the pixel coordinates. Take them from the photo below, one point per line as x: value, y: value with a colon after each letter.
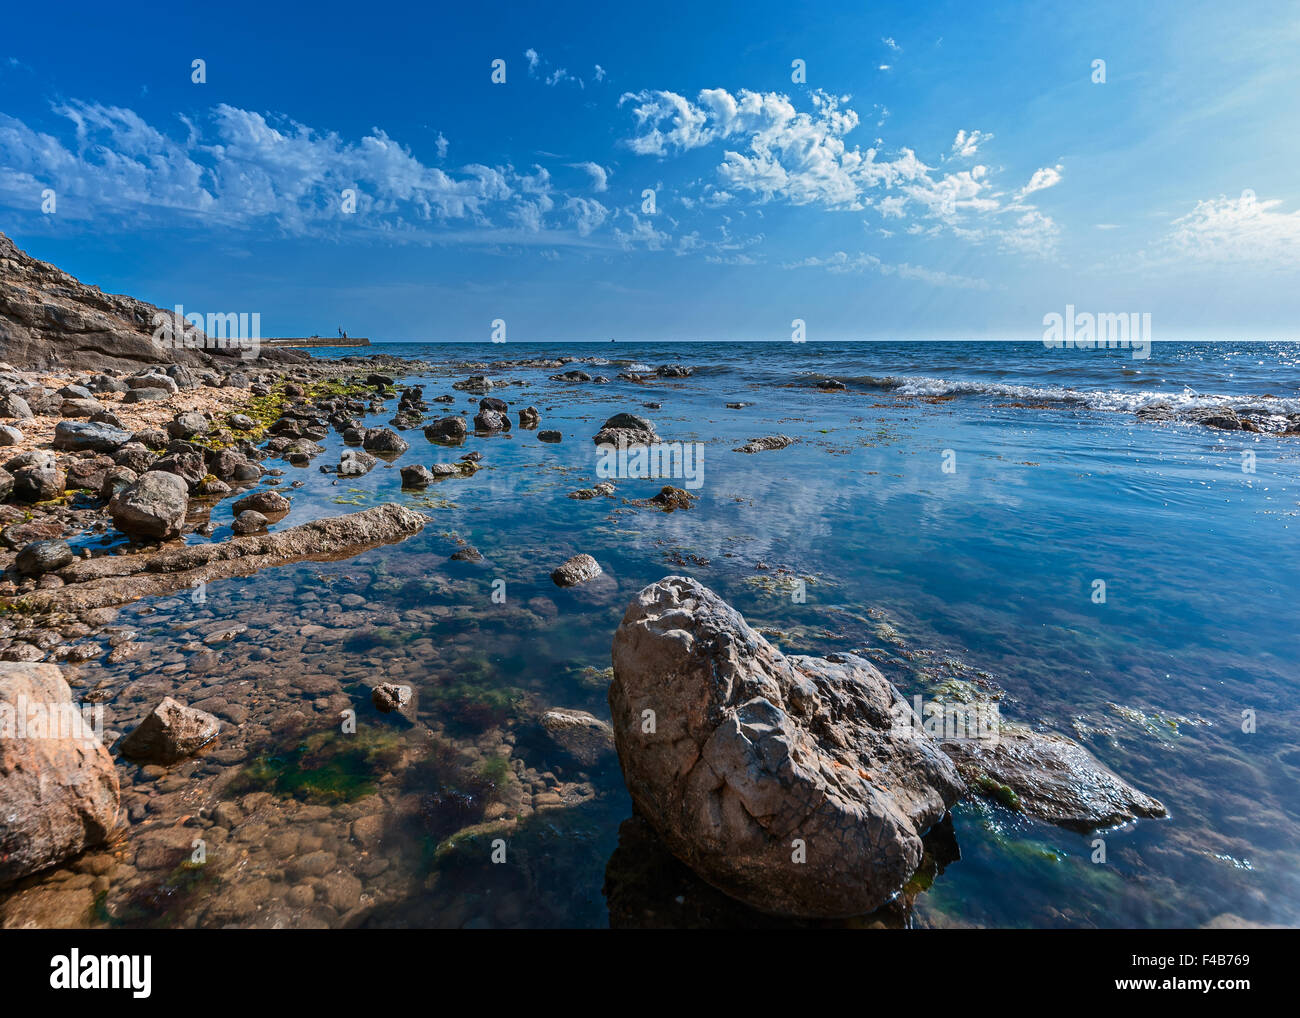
x: 784, y: 781
x: 59, y: 793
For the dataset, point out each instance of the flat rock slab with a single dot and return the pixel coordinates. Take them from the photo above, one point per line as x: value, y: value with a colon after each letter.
x: 1049, y: 777
x: 111, y: 580
x: 785, y: 782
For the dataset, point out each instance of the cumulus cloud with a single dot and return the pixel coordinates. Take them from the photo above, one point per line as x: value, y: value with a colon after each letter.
x: 533, y: 59
x: 587, y: 214
x: 774, y: 151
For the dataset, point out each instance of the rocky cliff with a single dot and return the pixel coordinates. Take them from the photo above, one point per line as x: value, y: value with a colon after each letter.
x: 48, y: 320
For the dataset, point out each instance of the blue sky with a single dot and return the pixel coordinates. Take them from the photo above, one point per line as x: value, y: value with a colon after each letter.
x: 946, y: 170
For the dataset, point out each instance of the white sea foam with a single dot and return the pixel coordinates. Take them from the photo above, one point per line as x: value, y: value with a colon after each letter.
x: 1185, y: 402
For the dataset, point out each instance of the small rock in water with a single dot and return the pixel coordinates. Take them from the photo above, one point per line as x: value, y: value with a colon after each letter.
x: 604, y: 488
x: 670, y: 498
x: 355, y: 463
x: 491, y: 420
x: 268, y: 503
x: 764, y: 444
x: 582, y: 735
x: 416, y: 477
x: 447, y: 431
x: 626, y: 430
x: 170, y: 733
x: 250, y: 521
x: 576, y: 570
x: 384, y: 440
x: 550, y: 436
x: 529, y: 417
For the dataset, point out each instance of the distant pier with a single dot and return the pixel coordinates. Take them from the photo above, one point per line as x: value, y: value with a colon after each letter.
x: 318, y: 341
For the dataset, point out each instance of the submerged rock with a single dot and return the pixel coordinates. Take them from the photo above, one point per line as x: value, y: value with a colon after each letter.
x: 170, y: 733
x: 59, y: 794
x: 576, y: 570
x: 1049, y: 777
x: 581, y: 735
x: 389, y: 696
x: 765, y: 444
x: 784, y: 781
x: 604, y: 489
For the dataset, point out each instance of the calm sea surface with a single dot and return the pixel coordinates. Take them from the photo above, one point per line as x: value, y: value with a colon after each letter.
x: 984, y: 573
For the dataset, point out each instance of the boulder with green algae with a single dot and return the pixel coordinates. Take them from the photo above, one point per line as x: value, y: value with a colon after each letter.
x: 1049, y: 777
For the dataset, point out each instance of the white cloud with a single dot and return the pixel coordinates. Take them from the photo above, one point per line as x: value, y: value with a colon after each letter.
x: 587, y: 213
x: 641, y: 234
x: 600, y: 73
x: 1042, y: 179
x: 1237, y: 230
x: 841, y: 263
x: 773, y: 151
x: 889, y: 41
x: 966, y: 143
x: 599, y: 175
x: 241, y: 169
x: 533, y: 59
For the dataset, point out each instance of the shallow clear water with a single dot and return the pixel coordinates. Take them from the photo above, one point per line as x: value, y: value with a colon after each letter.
x: 985, y: 573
